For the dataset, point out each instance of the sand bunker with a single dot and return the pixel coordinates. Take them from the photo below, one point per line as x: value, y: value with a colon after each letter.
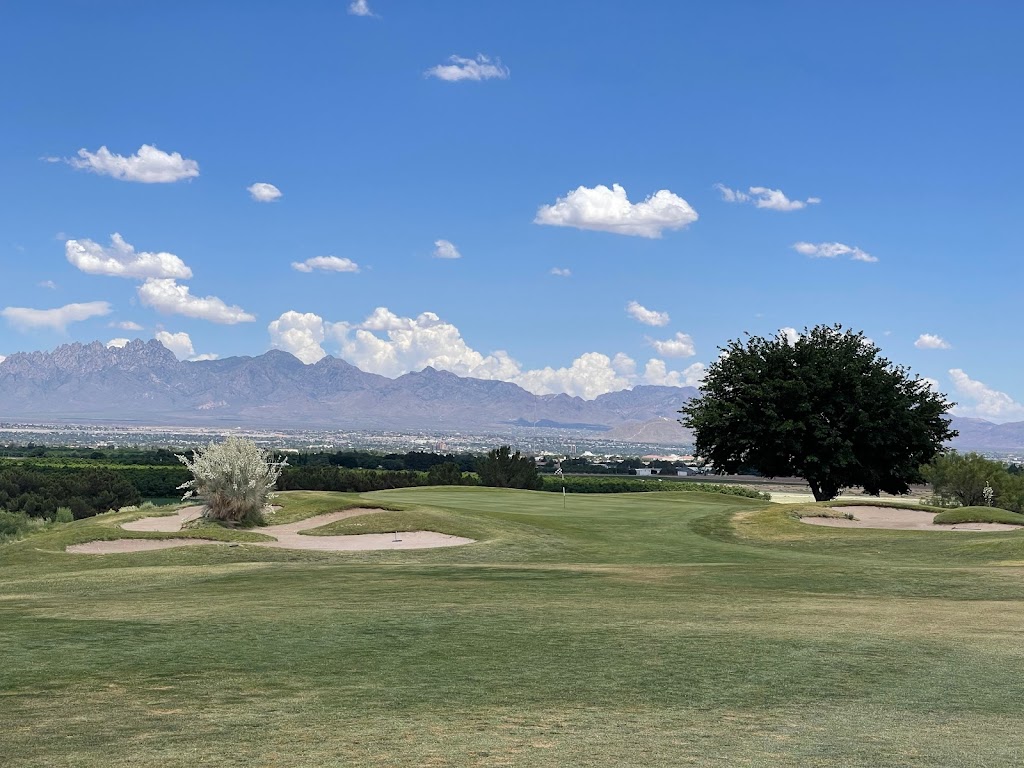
x: 900, y: 520
x: 287, y: 536
x: 165, y: 523
x: 134, y: 545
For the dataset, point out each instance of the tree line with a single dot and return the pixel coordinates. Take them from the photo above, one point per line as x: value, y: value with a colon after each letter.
x: 971, y: 480
x: 412, y: 461
x: 38, y: 487
x: 86, y: 491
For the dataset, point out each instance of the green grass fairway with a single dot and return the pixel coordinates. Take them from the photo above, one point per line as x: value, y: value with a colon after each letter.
x: 661, y: 629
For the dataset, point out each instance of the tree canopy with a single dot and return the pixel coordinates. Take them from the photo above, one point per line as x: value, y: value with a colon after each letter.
x: 960, y: 479
x: 501, y: 468
x: 447, y: 473
x: 827, y: 408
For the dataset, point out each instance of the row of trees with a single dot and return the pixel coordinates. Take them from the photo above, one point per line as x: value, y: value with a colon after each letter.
x: 971, y: 480
x: 147, y: 456
x: 86, y: 491
x: 413, y: 461
x: 229, y: 475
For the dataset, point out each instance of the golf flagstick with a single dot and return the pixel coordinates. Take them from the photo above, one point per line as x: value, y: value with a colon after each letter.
x: 561, y: 474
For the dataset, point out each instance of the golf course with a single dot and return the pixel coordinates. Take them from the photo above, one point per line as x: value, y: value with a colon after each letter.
x: 634, y: 629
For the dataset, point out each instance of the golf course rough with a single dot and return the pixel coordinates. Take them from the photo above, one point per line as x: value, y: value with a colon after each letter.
x: 659, y: 629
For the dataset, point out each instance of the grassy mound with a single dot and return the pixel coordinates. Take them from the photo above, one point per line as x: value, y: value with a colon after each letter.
x: 838, y: 514
x: 872, y: 502
x: 402, y: 520
x: 778, y: 528
x: 978, y: 515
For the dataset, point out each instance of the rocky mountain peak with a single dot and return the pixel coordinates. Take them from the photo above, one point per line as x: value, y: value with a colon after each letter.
x: 142, y: 354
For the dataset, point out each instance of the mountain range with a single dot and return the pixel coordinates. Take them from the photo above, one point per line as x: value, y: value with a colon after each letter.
x: 144, y: 382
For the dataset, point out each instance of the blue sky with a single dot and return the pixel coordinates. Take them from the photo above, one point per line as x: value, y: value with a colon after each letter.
x: 903, y: 119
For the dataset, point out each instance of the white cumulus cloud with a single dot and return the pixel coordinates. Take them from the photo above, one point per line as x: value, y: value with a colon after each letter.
x: 624, y: 365
x: 656, y: 372
x: 588, y: 376
x: 149, y: 165
x: 126, y: 325
x: 765, y: 197
x: 832, y: 250
x: 459, y: 68
x: 2, y: 358
x: 117, y: 343
x: 411, y: 344
x: 167, y: 296
x: 262, y: 192
x: 299, y: 333
x: 58, y: 318
x: 383, y: 319
x: 985, y: 402
x: 931, y: 341
x: 445, y: 249
x: 181, y: 345
x: 360, y: 8
x: 388, y: 344
x: 561, y: 272
x: 327, y: 264
x: 647, y: 316
x: 120, y: 259
x: 790, y: 335
x: 680, y: 345
x: 609, y: 210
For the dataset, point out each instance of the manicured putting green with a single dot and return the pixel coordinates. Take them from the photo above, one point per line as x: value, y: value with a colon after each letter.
x: 658, y: 629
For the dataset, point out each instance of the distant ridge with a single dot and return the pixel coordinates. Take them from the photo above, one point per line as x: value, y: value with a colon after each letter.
x: 144, y: 382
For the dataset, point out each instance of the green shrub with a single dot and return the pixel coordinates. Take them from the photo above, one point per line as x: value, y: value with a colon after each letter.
x: 16, y: 524
x: 328, y: 478
x: 961, y: 479
x: 501, y: 468
x: 447, y: 473
x: 64, y: 515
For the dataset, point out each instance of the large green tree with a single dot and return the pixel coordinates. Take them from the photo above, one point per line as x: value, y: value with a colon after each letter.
x: 501, y: 468
x: 825, y: 407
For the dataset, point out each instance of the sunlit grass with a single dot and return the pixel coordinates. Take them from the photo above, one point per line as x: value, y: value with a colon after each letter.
x: 622, y: 630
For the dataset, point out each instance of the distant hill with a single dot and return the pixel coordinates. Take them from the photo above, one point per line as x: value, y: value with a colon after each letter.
x: 981, y: 435
x: 667, y: 431
x: 145, y: 382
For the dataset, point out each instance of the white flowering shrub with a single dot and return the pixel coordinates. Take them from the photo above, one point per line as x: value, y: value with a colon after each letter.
x: 989, y: 493
x: 234, y: 479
